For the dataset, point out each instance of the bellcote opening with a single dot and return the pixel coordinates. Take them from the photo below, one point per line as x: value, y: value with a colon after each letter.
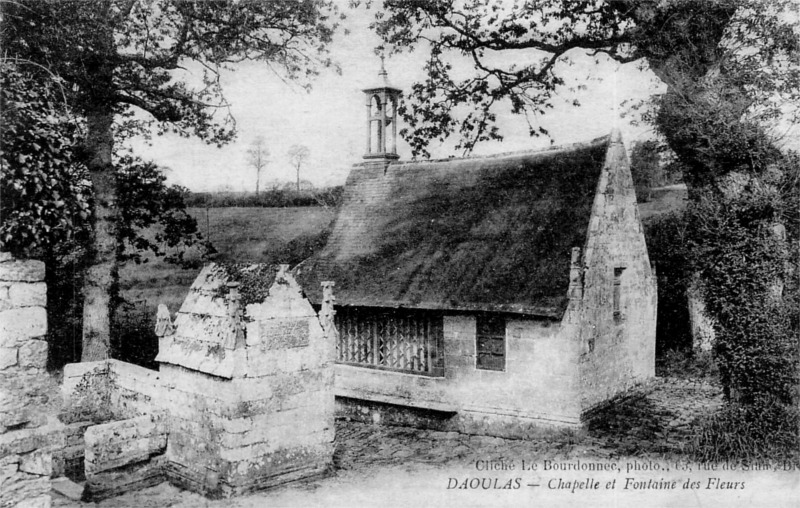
x: 382, y: 101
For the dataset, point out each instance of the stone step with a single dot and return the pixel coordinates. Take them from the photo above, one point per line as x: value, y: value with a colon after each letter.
x: 68, y: 488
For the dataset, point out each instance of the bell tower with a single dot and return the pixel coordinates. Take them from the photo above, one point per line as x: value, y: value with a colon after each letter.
x: 382, y: 101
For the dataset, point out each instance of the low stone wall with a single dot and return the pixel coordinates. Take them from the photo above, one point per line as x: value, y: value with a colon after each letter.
x: 109, y: 390
x: 242, y: 400
x: 225, y: 436
x: 125, y: 455
x: 28, y: 436
x: 99, y: 392
x: 86, y: 390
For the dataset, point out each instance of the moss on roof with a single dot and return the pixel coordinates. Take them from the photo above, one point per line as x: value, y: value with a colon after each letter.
x: 491, y: 233
x: 254, y: 280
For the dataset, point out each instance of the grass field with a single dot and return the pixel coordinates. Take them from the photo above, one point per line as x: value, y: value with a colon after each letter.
x: 239, y: 234
x: 255, y: 234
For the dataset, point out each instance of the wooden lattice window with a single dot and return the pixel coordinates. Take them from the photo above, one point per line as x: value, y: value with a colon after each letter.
x: 392, y: 339
x: 490, y: 343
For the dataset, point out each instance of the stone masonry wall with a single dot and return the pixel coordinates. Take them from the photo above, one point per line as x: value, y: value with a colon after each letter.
x: 97, y: 393
x: 536, y: 391
x: 617, y: 350
x: 28, y: 436
x: 226, y: 427
x: 267, y: 421
x: 125, y: 455
x: 109, y: 390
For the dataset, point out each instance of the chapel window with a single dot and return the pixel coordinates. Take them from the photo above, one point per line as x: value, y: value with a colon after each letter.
x: 617, y: 292
x: 402, y: 340
x: 490, y: 343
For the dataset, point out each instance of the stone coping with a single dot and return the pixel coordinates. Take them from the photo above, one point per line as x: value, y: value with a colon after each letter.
x: 397, y: 401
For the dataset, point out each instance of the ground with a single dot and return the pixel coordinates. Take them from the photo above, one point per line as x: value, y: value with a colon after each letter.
x: 407, y: 466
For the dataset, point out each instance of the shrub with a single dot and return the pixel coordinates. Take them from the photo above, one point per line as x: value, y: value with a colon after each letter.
x: 742, y: 263
x: 277, y: 198
x: 764, y: 430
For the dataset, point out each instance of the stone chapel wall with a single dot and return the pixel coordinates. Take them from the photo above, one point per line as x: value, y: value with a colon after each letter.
x: 534, y: 393
x: 614, y: 321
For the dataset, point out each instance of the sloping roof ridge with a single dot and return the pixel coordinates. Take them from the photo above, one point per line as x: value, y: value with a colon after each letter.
x: 607, y: 138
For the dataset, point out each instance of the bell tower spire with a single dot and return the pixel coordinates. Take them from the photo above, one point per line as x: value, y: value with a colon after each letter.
x: 381, y: 101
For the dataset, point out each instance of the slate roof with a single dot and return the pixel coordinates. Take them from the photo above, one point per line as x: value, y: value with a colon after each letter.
x: 478, y: 234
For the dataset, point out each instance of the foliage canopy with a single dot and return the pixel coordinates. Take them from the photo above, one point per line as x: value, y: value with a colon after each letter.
x: 515, y: 51
x: 44, y: 186
x: 124, y: 55
x: 133, y: 66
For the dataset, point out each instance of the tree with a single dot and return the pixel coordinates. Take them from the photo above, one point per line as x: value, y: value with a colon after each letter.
x: 298, y: 154
x: 118, y: 57
x: 146, y: 201
x: 731, y: 69
x: 258, y: 156
x: 690, y: 45
x: 47, y: 200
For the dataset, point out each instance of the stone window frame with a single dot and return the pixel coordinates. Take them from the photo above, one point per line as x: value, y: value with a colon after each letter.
x: 485, y: 334
x: 616, y: 293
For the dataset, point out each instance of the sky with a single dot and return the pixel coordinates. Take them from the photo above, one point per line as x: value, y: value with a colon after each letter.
x: 330, y: 119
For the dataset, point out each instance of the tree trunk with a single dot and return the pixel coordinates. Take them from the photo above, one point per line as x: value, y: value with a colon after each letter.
x: 100, y: 284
